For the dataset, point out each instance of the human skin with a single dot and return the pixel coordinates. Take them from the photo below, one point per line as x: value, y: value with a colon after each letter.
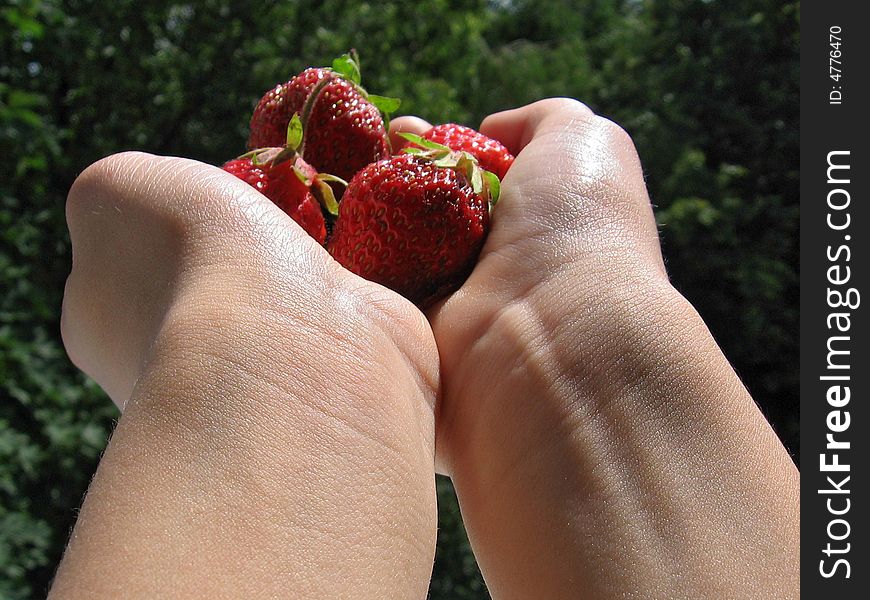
x: 600, y: 443
x: 277, y: 431
x: 278, y: 426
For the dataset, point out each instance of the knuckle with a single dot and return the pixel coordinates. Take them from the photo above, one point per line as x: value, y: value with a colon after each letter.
x: 615, y: 132
x: 113, y: 171
x: 569, y: 107
x: 560, y: 115
x: 110, y: 176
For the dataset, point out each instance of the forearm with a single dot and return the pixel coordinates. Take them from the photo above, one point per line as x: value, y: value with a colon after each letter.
x: 662, y: 478
x: 279, y: 472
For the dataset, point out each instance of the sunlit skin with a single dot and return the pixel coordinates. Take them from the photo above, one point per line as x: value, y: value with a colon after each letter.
x: 280, y: 414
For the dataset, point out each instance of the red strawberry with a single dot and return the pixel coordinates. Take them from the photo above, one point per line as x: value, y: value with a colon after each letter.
x: 490, y: 153
x: 415, y: 222
x: 292, y: 184
x: 280, y: 184
x: 344, y: 130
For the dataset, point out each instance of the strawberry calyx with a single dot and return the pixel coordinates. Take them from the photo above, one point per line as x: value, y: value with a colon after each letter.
x: 321, y: 190
x: 273, y: 156
x: 483, y: 182
x: 319, y: 184
x: 347, y: 67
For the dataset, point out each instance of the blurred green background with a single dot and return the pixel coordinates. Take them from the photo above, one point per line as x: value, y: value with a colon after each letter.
x: 708, y: 90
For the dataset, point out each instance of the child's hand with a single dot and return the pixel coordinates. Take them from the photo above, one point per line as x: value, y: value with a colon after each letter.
x: 600, y: 444
x: 277, y: 436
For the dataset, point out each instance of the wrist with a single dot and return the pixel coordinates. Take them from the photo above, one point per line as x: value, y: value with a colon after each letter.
x: 565, y: 352
x: 617, y: 418
x: 262, y: 432
x: 311, y: 340
x: 600, y: 343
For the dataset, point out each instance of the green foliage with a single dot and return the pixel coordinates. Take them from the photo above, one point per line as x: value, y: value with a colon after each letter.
x: 707, y: 89
x: 456, y: 574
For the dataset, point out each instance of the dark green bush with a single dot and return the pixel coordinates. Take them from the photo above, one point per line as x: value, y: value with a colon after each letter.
x: 709, y: 90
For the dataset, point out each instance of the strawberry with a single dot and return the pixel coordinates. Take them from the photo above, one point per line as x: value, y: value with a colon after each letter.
x: 282, y: 186
x: 415, y: 222
x: 490, y: 153
x: 344, y: 129
x: 286, y: 179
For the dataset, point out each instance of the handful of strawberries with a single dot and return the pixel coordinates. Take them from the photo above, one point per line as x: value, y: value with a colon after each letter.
x: 412, y: 218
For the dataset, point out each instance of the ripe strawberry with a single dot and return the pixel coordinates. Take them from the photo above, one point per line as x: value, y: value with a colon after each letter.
x: 292, y: 184
x: 344, y: 129
x: 490, y: 153
x: 415, y: 222
x: 281, y: 185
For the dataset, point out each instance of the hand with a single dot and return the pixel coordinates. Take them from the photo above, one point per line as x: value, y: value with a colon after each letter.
x: 600, y: 444
x: 277, y: 435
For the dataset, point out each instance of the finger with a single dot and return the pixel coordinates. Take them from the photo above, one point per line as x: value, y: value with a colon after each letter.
x: 516, y: 127
x: 409, y: 124
x: 577, y: 181
x: 191, y: 197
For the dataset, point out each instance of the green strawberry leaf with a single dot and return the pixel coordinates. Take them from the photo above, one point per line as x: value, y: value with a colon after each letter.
x: 347, y: 67
x: 494, y: 186
x: 301, y: 175
x: 411, y: 137
x: 412, y: 150
x: 451, y: 161
x: 326, y: 197
x: 249, y: 154
x: 416, y: 139
x: 476, y: 180
x: 385, y: 104
x: 325, y: 193
x: 265, y: 156
x: 328, y: 177
x: 294, y: 132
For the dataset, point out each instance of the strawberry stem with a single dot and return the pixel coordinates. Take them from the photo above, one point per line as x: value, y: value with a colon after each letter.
x: 308, y: 107
x: 347, y: 66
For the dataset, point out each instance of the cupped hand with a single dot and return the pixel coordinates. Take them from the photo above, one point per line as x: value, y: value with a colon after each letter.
x: 573, y: 244
x: 277, y: 436
x: 600, y: 444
